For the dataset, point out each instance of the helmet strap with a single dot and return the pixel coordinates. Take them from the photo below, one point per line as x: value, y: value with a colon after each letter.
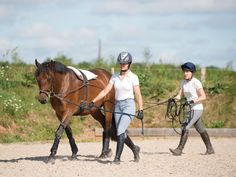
x: 124, y: 70
x: 129, y: 65
x: 190, y: 78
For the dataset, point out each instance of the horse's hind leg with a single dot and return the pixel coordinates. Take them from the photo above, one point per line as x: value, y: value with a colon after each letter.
x: 106, y: 152
x: 73, y: 146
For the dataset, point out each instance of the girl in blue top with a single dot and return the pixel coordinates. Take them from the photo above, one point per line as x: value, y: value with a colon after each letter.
x: 192, y: 89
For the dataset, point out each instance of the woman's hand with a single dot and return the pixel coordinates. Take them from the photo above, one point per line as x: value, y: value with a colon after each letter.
x: 140, y: 114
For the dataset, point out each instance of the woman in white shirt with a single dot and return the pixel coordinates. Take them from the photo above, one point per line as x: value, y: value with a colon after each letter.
x: 192, y: 89
x: 126, y: 83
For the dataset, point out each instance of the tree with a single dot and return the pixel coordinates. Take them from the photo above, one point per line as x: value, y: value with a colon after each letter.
x: 147, y: 56
x: 229, y: 66
x: 64, y: 59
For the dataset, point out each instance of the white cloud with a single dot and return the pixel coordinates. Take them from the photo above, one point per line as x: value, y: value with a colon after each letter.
x: 5, y: 46
x: 86, y: 33
x: 45, y: 36
x: 24, y: 3
x: 170, y: 57
x: 3, y: 11
x: 37, y: 31
x: 6, y: 15
x: 134, y: 7
x: 126, y: 32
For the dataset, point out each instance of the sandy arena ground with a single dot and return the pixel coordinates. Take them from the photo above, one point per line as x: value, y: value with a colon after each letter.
x: 28, y: 160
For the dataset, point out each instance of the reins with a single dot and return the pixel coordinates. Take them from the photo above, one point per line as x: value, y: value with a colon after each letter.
x: 174, y: 112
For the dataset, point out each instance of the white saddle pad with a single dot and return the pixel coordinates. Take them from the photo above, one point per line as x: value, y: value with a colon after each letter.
x: 87, y: 73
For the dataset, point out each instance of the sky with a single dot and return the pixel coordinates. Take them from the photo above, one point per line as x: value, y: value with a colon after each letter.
x: 200, y: 31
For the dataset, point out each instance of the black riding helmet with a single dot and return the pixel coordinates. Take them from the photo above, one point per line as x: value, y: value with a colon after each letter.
x: 124, y: 58
x: 189, y: 66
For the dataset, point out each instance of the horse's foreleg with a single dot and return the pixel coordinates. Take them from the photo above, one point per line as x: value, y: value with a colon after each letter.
x: 73, y: 146
x: 58, y: 135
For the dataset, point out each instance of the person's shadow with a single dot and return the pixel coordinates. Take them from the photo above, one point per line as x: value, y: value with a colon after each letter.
x: 45, y: 159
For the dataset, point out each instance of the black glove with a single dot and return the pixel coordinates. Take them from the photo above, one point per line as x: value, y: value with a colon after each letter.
x: 189, y: 102
x: 140, y: 114
x: 90, y: 106
x: 171, y: 100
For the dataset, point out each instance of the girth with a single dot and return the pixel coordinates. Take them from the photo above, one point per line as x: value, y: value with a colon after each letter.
x: 83, y: 102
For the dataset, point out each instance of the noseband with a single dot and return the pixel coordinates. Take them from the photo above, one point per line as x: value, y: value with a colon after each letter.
x: 48, y: 93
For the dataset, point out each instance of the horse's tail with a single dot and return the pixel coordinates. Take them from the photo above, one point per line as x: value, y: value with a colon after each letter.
x: 113, y: 128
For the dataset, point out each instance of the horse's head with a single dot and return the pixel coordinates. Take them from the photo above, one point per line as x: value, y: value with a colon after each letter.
x: 44, y: 80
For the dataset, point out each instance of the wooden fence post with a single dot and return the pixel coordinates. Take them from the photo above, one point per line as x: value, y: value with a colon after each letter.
x: 203, y: 74
x: 112, y: 70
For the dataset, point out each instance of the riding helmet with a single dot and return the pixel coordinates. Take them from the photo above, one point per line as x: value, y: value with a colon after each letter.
x: 124, y: 58
x: 189, y: 66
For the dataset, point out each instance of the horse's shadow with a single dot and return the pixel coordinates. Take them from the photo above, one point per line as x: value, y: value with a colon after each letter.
x: 45, y: 159
x: 38, y: 158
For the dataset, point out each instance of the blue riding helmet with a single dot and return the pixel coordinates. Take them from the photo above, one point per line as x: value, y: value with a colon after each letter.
x: 124, y: 58
x: 189, y: 66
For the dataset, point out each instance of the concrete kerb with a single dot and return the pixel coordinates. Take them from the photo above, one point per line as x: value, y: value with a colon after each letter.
x: 164, y: 132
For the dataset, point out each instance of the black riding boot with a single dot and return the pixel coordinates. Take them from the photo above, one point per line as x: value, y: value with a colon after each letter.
x: 119, y: 147
x: 207, y: 142
x: 182, y: 142
x: 133, y: 147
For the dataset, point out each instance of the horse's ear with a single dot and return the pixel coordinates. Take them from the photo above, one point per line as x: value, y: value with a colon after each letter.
x: 37, y: 63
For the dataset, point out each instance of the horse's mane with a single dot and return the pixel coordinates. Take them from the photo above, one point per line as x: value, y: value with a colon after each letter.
x: 55, y: 66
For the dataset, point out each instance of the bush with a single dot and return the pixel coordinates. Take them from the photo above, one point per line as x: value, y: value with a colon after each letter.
x: 216, y: 89
x: 217, y: 124
x: 13, y: 106
x: 28, y: 80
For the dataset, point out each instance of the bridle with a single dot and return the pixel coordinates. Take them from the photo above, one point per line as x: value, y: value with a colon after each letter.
x: 47, y: 92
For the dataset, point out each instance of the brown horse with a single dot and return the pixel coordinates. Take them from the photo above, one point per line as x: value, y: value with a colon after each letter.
x: 69, y: 96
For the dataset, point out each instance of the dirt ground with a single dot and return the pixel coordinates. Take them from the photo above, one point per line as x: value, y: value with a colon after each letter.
x: 28, y: 160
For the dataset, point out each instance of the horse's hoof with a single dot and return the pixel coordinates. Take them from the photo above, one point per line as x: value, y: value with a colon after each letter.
x: 103, y: 156
x: 116, y: 161
x: 106, y: 154
x: 74, y: 157
x: 109, y: 154
x: 51, y: 159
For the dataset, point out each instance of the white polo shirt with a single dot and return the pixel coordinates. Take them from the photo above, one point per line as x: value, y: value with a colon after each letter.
x: 124, y: 88
x: 190, y: 89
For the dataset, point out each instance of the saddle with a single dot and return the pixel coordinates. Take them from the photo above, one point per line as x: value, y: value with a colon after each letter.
x: 79, y: 73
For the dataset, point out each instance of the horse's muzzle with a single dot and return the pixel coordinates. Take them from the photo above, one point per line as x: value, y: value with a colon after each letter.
x: 43, y: 98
